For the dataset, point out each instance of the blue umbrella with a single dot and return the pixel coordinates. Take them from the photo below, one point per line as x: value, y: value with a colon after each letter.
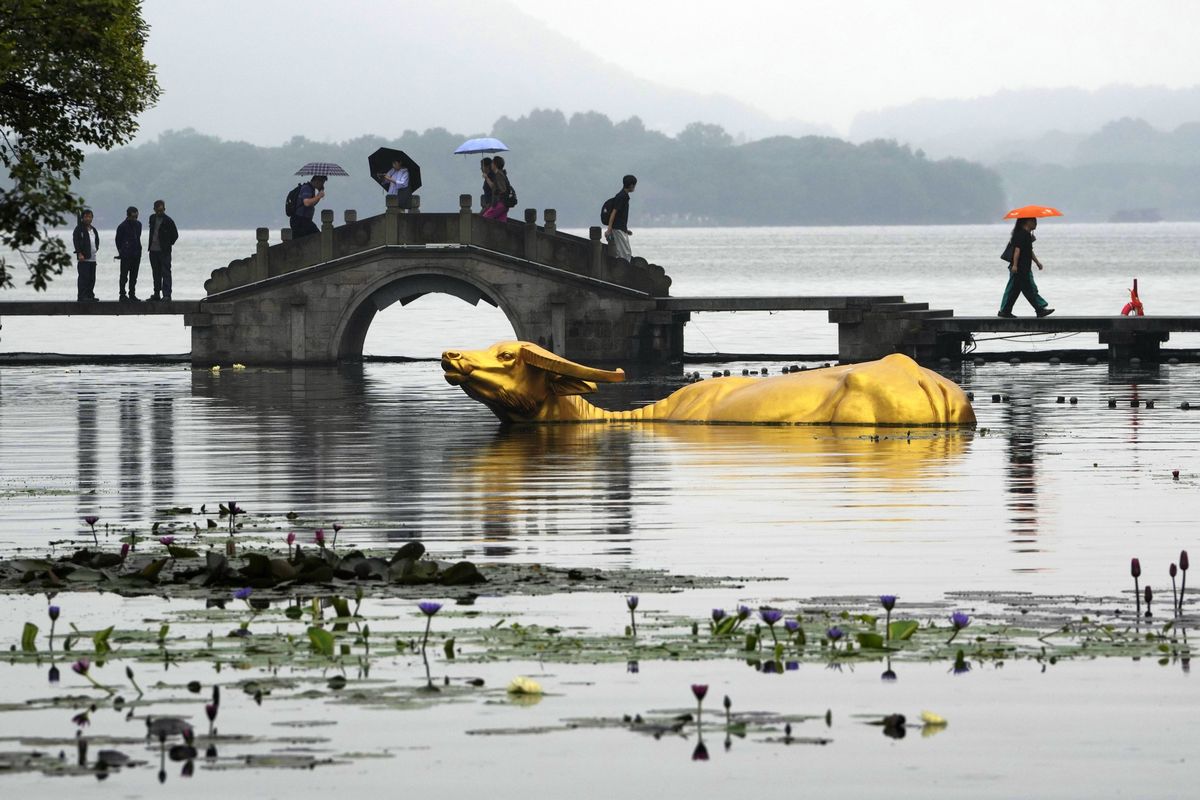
x: 485, y: 145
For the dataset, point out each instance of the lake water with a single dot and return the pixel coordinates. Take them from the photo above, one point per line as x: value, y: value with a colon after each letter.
x: 1044, y: 497
x: 1089, y: 269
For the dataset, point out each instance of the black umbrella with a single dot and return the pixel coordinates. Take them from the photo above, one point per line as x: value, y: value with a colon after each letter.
x: 381, y: 161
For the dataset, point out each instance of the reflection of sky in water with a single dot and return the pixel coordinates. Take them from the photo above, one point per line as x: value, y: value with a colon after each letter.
x: 1068, y: 492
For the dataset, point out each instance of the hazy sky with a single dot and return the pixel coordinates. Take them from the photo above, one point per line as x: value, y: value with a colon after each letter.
x: 264, y: 70
x: 825, y: 61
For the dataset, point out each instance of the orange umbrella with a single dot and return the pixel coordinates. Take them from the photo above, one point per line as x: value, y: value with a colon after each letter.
x: 1033, y: 211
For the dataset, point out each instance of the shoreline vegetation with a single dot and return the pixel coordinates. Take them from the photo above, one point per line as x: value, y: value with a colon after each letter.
x: 700, y: 177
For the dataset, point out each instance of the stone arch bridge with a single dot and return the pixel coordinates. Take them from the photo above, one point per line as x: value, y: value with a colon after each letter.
x: 312, y: 300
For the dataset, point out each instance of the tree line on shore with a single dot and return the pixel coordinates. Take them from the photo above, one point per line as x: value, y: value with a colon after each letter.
x: 699, y: 177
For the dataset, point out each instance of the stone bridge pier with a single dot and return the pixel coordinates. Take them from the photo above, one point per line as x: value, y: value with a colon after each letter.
x: 312, y: 301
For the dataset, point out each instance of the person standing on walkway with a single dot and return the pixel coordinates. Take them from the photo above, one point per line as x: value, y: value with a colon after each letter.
x: 1020, y: 271
x: 397, y: 181
x: 617, y: 232
x: 163, y: 235
x: 497, y: 179
x: 311, y: 193
x: 129, y: 251
x: 86, y: 241
x: 485, y: 167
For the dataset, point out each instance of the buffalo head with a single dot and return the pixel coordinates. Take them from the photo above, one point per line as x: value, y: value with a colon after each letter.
x: 521, y: 382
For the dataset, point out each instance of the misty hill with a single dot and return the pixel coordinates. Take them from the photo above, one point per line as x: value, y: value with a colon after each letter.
x: 412, y: 66
x: 986, y: 128
x: 700, y: 177
x: 1128, y: 164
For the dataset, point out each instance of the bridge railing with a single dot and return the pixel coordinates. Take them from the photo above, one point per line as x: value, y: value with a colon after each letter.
x: 541, y: 244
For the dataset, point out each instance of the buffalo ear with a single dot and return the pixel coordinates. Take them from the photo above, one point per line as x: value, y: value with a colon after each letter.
x: 564, y: 385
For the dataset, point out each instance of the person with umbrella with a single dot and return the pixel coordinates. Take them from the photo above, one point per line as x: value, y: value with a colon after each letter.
x: 1020, y: 258
x: 311, y: 193
x: 397, y: 181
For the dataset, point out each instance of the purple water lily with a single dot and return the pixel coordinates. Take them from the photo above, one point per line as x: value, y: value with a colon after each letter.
x: 888, y: 601
x: 1183, y: 566
x: 835, y: 633
x: 124, y: 550
x: 700, y: 690
x: 792, y: 625
x: 958, y: 620
x: 53, y: 611
x: 770, y: 615
x: 632, y: 603
x: 718, y: 614
x: 428, y: 608
x: 91, y: 520
x: 743, y: 612
x: 54, y: 675
x: 166, y: 541
x: 243, y: 593
x: 81, y: 666
x: 319, y: 537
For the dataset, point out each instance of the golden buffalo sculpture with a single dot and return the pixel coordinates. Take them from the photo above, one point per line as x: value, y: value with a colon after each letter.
x: 522, y: 382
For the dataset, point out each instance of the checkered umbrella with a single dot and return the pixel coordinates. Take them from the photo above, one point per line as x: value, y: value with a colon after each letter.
x: 321, y: 168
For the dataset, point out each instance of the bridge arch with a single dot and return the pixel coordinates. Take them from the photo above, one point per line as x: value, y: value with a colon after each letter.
x: 404, y: 285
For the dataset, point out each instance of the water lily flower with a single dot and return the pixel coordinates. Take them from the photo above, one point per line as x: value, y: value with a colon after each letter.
x: 632, y: 603
x: 792, y: 625
x: 210, y: 710
x: 91, y: 520
x: 81, y: 666
x: 428, y: 608
x: 718, y: 614
x: 835, y: 633
x: 53, y: 611
x: 124, y: 550
x: 743, y: 612
x: 166, y: 541
x: 770, y: 615
x: 337, y: 527
x: 888, y: 601
x: 701, y: 752
x: 54, y: 675
x: 1183, y: 565
x: 243, y: 593
x: 959, y: 620
x: 1135, y: 569
x: 1149, y: 597
x: 319, y: 538
x: 82, y: 719
x: 700, y: 690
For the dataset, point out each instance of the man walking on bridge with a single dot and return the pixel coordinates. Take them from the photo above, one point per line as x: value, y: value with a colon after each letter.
x: 615, y: 215
x: 163, y: 235
x: 311, y: 193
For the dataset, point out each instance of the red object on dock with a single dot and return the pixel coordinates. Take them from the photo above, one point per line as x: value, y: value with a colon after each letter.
x: 1134, y: 305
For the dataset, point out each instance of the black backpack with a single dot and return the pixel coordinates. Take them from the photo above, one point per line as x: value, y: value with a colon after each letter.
x: 606, y: 210
x: 510, y: 199
x: 293, y: 201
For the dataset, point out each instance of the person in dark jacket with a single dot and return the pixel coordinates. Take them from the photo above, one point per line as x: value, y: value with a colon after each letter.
x: 1020, y: 277
x: 485, y: 199
x: 129, y: 251
x: 163, y: 235
x: 311, y: 193
x: 86, y: 242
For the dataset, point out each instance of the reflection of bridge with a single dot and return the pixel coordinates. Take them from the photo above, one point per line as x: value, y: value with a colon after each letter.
x: 312, y: 300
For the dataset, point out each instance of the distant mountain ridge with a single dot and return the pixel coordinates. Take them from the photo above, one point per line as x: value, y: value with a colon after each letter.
x: 450, y: 63
x: 986, y: 128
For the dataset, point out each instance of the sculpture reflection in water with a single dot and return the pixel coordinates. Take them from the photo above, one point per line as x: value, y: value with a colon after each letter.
x: 522, y: 382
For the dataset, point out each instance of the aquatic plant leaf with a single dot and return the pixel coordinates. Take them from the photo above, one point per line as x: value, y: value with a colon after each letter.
x: 178, y: 551
x: 902, y: 629
x: 100, y: 641
x: 151, y: 570
x: 871, y: 641
x: 725, y: 626
x: 28, y: 635
x: 322, y: 640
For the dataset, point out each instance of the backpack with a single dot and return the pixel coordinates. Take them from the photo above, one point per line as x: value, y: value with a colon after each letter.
x: 292, y: 201
x: 510, y: 199
x: 606, y: 210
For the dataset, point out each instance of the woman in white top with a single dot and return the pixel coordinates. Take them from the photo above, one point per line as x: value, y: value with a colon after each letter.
x: 397, y: 181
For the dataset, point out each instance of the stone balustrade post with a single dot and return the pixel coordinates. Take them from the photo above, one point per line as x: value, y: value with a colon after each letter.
x: 597, y: 252
x: 391, y: 219
x: 415, y: 204
x: 464, y: 219
x: 262, y: 254
x: 285, y: 234
x: 550, y: 216
x: 349, y: 216
x: 531, y: 252
x: 327, y: 235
